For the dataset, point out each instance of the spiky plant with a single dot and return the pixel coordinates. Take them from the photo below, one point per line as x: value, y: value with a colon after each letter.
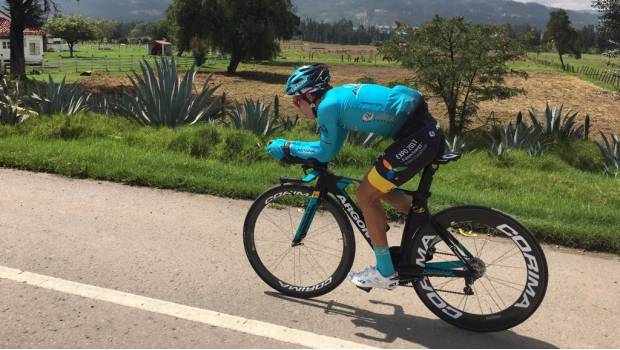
x: 455, y: 145
x: 160, y: 98
x: 254, y: 116
x: 536, y: 149
x: 554, y: 126
x: 611, y: 153
x: 53, y: 98
x: 289, y: 123
x: 363, y: 139
x: 12, y: 107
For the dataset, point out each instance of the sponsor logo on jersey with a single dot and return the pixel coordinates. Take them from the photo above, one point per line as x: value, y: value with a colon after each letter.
x: 368, y: 116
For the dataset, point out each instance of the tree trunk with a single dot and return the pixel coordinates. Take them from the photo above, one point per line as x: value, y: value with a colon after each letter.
x: 18, y: 59
x: 234, y: 62
x: 70, y: 49
x: 562, y: 61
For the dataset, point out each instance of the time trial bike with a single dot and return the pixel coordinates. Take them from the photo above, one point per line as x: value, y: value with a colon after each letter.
x: 474, y: 267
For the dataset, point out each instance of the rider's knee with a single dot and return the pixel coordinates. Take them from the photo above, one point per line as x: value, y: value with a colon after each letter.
x: 367, y: 194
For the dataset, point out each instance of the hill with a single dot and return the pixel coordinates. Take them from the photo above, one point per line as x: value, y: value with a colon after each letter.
x: 383, y: 13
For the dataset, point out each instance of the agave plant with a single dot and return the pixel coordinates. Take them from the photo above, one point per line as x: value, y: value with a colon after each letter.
x: 53, y: 98
x: 254, y: 116
x: 289, y: 123
x: 536, y: 149
x: 160, y: 98
x: 611, y: 153
x: 510, y: 136
x: 363, y: 139
x: 455, y: 145
x: 555, y: 126
x: 12, y: 108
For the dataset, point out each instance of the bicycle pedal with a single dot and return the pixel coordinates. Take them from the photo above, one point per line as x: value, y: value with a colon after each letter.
x: 365, y: 289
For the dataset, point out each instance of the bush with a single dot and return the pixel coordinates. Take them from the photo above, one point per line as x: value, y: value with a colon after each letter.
x: 197, y: 141
x: 366, y: 80
x: 254, y: 116
x: 83, y: 125
x: 52, y: 98
x: 240, y: 146
x: 580, y: 154
x: 163, y: 99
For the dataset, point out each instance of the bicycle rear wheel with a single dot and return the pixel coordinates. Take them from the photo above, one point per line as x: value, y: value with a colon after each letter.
x: 511, y: 267
x: 316, y: 266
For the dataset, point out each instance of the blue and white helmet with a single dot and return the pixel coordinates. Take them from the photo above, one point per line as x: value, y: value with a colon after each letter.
x: 307, y: 79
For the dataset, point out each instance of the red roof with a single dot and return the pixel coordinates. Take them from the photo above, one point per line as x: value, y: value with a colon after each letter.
x: 5, y: 29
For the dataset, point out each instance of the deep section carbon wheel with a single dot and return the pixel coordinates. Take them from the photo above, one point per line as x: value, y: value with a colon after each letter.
x: 510, y: 278
x: 315, y: 266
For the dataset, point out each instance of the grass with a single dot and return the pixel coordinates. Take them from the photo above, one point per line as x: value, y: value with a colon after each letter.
x: 557, y: 201
x: 588, y: 60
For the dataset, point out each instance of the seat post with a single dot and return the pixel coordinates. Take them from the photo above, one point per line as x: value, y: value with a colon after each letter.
x: 426, y: 181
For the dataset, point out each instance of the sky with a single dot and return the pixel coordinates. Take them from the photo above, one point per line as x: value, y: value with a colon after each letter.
x: 566, y: 4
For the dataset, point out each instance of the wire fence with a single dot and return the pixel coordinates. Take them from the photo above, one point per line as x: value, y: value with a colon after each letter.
x: 100, y: 64
x: 611, y: 77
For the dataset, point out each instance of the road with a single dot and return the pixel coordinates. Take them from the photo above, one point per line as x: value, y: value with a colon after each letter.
x: 95, y: 264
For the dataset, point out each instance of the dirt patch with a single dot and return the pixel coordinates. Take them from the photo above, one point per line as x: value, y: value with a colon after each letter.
x: 104, y: 84
x: 264, y: 82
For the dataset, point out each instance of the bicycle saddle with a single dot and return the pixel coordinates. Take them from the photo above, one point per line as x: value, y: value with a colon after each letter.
x: 448, y: 157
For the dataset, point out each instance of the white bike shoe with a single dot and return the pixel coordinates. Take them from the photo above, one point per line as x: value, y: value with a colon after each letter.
x: 372, y: 278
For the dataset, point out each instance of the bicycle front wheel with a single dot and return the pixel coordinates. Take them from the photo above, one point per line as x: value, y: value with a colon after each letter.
x: 510, y: 270
x: 314, y: 267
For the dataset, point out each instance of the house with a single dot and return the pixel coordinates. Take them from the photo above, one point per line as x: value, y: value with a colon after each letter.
x: 33, y: 42
x: 59, y: 45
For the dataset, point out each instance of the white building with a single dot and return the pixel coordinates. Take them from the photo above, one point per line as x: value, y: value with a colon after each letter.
x: 59, y: 45
x: 33, y: 42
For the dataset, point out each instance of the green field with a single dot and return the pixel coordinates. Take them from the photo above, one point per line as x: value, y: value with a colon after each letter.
x: 559, y: 202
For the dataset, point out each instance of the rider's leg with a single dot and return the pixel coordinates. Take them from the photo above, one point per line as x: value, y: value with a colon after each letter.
x: 400, y: 201
x: 369, y: 199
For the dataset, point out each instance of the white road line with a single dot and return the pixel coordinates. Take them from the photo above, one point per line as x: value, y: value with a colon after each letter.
x: 213, y: 318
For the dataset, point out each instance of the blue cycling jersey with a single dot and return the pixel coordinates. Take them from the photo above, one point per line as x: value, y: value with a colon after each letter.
x: 361, y: 107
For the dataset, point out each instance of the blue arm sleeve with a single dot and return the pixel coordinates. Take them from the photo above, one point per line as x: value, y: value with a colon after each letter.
x: 332, y: 139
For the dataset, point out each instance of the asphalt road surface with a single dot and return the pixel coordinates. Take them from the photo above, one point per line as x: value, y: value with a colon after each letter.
x: 94, y: 264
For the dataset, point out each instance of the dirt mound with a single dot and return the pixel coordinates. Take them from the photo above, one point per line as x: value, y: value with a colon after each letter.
x: 99, y: 83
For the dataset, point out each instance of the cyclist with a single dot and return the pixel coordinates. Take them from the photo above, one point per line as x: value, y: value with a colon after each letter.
x: 399, y: 113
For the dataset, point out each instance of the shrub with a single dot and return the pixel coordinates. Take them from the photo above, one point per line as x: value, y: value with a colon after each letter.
x: 359, y: 138
x: 611, y: 153
x: 240, y: 146
x: 454, y: 145
x: 198, y: 141
x: 12, y: 108
x: 163, y: 99
x: 580, y: 154
x: 253, y: 116
x: 553, y: 126
x: 62, y: 98
x: 366, y: 80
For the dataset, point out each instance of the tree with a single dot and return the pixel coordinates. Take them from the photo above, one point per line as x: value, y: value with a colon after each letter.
x: 72, y: 29
x: 187, y: 12
x: 138, y: 31
x: 563, y: 35
x: 106, y: 29
x: 24, y: 14
x: 610, y: 17
x: 458, y: 61
x: 158, y: 29
x: 244, y: 29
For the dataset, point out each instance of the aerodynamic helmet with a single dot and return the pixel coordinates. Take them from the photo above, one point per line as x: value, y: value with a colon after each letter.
x: 308, y: 79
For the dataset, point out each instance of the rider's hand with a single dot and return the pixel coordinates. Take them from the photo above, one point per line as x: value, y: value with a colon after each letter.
x: 276, y: 148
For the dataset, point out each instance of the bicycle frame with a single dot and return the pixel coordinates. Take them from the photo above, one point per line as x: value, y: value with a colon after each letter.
x: 418, y: 218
